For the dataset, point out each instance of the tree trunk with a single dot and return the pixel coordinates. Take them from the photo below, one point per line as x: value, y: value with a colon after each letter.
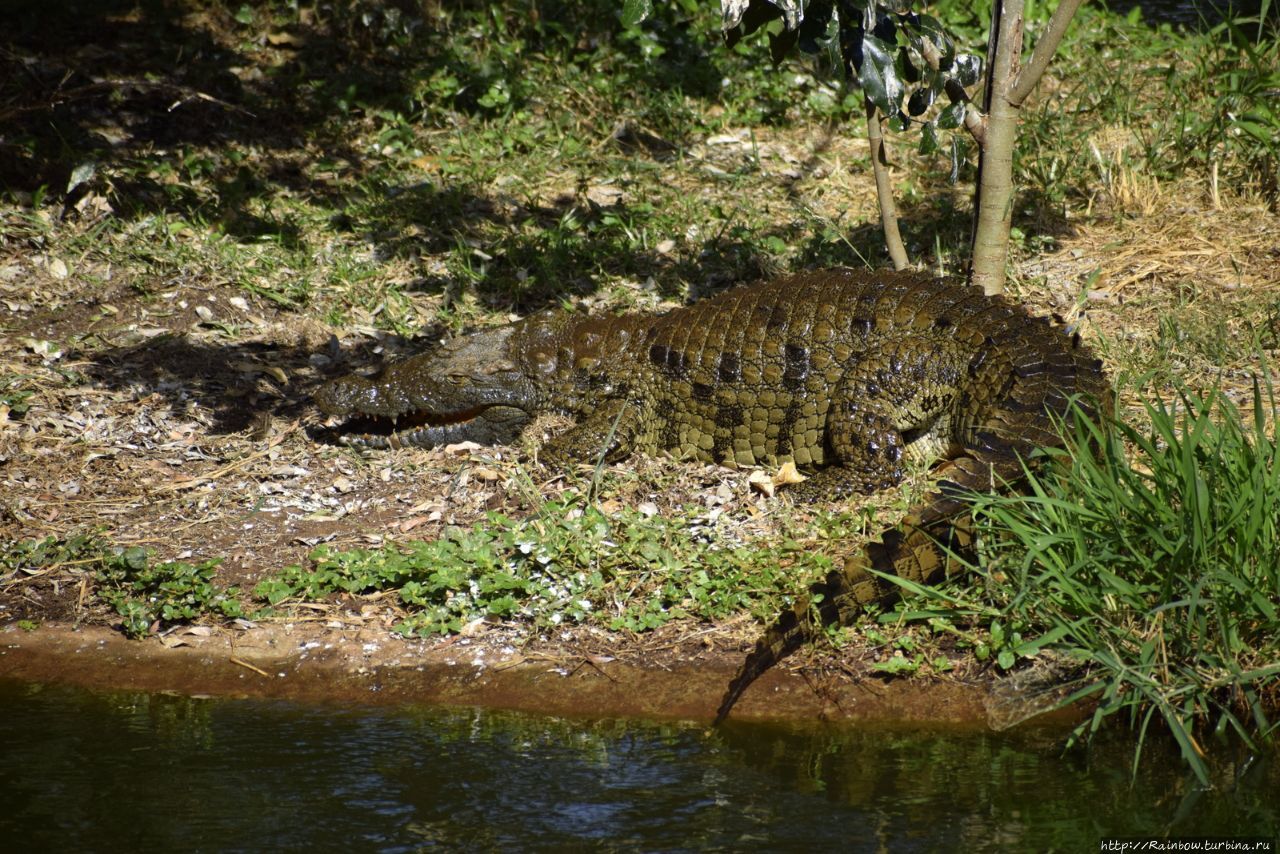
x: 994, y: 214
x: 1007, y: 88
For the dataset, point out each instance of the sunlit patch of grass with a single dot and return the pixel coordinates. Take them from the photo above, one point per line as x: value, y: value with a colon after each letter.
x: 1195, y: 102
x: 570, y: 564
x: 1155, y: 564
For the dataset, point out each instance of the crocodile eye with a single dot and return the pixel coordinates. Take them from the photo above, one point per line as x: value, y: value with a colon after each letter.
x: 459, y: 379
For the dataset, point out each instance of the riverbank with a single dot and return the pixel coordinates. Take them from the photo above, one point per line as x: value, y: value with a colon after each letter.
x: 320, y: 664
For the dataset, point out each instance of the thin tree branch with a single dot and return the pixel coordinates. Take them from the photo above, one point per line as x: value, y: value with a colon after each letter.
x: 1030, y: 74
x: 183, y: 94
x: 884, y: 190
x: 975, y: 121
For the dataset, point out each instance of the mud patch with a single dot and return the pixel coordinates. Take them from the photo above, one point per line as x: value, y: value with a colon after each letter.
x: 312, y: 663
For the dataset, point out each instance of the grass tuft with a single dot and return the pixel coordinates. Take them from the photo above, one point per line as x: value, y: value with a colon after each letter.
x: 1156, y: 563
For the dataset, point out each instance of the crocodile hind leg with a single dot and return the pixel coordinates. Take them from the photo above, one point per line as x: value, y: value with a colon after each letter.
x: 899, y: 406
x: 934, y: 541
x: 884, y: 414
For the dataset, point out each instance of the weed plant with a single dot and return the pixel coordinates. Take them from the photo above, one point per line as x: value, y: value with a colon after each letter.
x: 1155, y: 562
x: 147, y: 595
x: 570, y: 564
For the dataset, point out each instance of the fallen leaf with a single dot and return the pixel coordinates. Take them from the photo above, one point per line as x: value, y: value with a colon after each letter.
x: 604, y: 196
x: 284, y: 40
x: 407, y: 525
x: 788, y: 474
x: 761, y: 482
x: 80, y: 174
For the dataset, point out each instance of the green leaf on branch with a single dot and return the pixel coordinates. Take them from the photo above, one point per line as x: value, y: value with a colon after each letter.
x: 968, y: 69
x: 878, y: 77
x: 920, y: 100
x: 635, y: 11
x: 743, y: 17
x: 928, y: 138
x: 910, y: 71
x: 780, y: 44
x: 926, y: 28
x: 820, y: 35
x: 951, y: 116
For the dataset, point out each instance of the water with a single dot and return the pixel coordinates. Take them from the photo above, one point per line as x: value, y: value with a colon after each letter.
x: 139, y: 772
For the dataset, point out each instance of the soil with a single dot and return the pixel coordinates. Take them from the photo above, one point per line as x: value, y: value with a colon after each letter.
x: 156, y: 428
x: 154, y: 432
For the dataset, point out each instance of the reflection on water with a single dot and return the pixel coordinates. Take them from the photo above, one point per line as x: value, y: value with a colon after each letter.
x: 84, y: 771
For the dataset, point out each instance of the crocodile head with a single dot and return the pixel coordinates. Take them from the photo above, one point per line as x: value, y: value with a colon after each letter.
x: 468, y: 389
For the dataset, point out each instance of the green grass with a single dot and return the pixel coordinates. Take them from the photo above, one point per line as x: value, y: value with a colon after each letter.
x: 1154, y: 564
x: 1193, y: 101
x: 449, y: 146
x: 146, y: 595
x: 570, y: 564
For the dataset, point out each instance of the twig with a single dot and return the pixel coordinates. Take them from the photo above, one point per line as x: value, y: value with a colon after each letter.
x: 248, y: 666
x: 975, y: 121
x: 197, y: 480
x: 587, y: 660
x: 884, y: 189
x: 186, y: 93
x: 1045, y: 48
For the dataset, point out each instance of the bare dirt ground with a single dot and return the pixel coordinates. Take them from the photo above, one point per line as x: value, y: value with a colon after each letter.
x: 177, y: 443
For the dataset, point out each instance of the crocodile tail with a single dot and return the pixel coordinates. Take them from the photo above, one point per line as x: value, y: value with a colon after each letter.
x: 923, y: 554
x: 792, y: 630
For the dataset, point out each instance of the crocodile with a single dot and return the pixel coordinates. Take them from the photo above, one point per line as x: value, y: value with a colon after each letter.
x: 854, y: 376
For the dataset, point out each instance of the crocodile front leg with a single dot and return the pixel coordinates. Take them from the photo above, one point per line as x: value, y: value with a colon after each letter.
x: 612, y: 428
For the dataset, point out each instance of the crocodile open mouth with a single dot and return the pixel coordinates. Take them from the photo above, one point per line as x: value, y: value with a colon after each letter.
x: 493, y: 424
x: 417, y: 429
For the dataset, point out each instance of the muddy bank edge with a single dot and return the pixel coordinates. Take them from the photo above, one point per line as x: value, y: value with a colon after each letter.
x: 309, y: 664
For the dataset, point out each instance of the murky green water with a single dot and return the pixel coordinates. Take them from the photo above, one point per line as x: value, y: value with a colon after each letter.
x: 107, y: 772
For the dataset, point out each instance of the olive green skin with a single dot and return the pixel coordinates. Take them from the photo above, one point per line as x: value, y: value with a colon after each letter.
x: 849, y: 374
